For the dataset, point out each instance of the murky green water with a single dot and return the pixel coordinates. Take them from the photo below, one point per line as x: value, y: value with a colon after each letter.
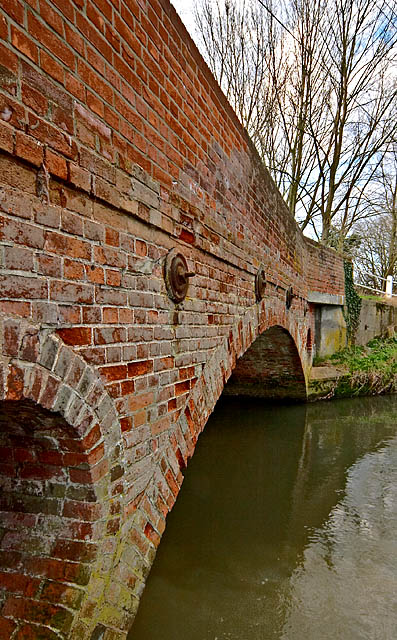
x: 285, y: 527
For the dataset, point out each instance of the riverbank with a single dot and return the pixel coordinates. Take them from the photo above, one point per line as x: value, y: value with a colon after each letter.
x: 356, y: 371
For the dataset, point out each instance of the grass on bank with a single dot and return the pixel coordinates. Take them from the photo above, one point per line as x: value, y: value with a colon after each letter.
x: 373, y: 368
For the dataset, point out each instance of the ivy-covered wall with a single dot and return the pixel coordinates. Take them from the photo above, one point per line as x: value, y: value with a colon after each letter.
x: 352, y: 306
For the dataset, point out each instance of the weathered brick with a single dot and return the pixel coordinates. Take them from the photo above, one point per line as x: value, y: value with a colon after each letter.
x: 6, y: 137
x: 69, y: 292
x: 12, y: 230
x: 141, y: 154
x: 12, y: 286
x: 65, y: 245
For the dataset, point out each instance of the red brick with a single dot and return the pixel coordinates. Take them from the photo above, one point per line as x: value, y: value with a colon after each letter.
x: 73, y: 270
x: 126, y: 424
x: 115, y: 95
x: 22, y: 309
x: 8, y: 59
x: 80, y: 177
x: 3, y: 28
x: 49, y: 265
x: 62, y: 594
x: 24, y: 44
x: 28, y: 148
x: 74, y: 39
x: 46, y: 86
x: 51, y: 66
x: 34, y: 99
x: 75, y: 86
x: 182, y: 387
x: 140, y: 368
x: 11, y: 337
x: 95, y: 104
x: 118, y: 372
x: 67, y: 246
x: 49, y: 40
x: 51, y: 17
x: 77, y: 336
x: 110, y: 315
x: 69, y: 314
x: 6, y: 137
x: 56, y: 165
x: 95, y: 82
x: 15, y: 9
x: 113, y: 278
x: 7, y: 627
x: 84, y: 511
x: 65, y: 7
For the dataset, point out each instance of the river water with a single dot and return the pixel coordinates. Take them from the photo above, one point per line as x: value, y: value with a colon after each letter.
x: 285, y: 527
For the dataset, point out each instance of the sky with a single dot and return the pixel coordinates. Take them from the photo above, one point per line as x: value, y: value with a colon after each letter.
x: 185, y: 9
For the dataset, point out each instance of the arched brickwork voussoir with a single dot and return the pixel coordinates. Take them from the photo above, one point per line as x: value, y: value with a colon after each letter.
x: 60, y: 504
x: 147, y: 523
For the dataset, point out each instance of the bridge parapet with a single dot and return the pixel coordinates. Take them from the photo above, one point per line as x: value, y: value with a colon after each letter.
x: 116, y: 147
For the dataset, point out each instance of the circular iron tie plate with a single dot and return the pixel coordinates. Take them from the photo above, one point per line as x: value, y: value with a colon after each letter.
x: 260, y: 283
x: 176, y: 275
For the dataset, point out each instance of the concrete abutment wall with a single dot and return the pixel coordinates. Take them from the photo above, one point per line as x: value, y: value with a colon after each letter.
x: 116, y: 145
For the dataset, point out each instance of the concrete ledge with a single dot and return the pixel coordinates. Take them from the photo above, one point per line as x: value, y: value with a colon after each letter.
x: 325, y: 298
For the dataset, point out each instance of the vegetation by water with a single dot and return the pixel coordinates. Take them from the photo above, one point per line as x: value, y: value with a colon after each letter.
x: 369, y: 370
x: 373, y: 368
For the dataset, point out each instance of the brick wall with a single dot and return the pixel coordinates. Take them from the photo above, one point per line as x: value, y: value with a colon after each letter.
x: 271, y: 368
x: 116, y: 146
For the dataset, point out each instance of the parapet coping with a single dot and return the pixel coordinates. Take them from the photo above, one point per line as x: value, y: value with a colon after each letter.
x: 318, y: 297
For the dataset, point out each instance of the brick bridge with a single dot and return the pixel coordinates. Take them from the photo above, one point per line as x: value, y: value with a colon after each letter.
x: 117, y: 146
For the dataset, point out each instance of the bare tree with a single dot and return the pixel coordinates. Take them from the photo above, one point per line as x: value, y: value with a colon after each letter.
x: 312, y: 81
x: 376, y: 257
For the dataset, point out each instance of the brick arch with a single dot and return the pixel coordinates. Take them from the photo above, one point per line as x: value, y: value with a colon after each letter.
x: 270, y: 368
x: 159, y: 495
x: 60, y: 502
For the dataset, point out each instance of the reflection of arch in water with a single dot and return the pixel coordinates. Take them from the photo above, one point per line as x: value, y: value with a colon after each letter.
x: 270, y: 368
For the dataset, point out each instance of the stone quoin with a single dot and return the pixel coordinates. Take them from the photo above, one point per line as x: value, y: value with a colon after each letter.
x: 117, y: 147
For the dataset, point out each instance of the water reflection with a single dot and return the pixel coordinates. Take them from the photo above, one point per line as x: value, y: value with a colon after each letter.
x: 284, y: 528
x: 346, y: 585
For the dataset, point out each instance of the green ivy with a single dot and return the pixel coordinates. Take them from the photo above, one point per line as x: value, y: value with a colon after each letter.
x: 352, y: 309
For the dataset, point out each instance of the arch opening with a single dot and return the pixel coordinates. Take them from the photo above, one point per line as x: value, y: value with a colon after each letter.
x: 271, y: 368
x: 48, y: 513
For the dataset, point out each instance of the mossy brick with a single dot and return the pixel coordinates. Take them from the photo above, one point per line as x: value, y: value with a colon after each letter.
x: 33, y: 504
x: 81, y: 493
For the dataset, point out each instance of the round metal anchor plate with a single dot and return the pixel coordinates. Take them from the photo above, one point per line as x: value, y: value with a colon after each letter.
x: 288, y: 297
x: 260, y: 283
x: 176, y: 275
